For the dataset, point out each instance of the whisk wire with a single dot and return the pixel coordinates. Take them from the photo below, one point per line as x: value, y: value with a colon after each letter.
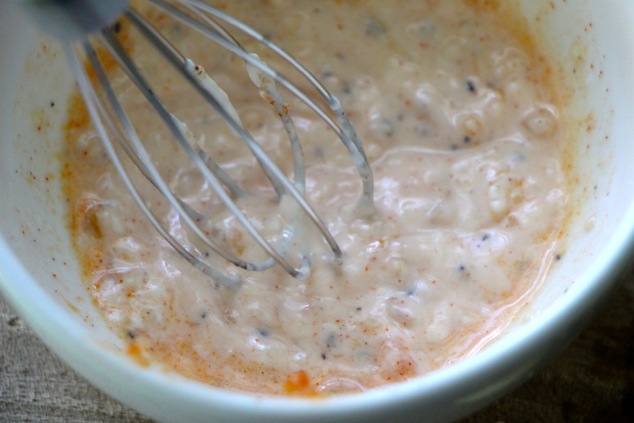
x: 274, y: 172
x: 133, y: 73
x: 101, y: 119
x: 112, y: 122
x: 344, y: 129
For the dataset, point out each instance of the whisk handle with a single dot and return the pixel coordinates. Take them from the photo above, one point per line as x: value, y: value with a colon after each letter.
x: 73, y: 19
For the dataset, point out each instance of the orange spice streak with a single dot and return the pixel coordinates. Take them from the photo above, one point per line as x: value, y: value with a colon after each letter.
x: 121, y: 30
x: 135, y: 351
x: 78, y: 119
x: 298, y: 383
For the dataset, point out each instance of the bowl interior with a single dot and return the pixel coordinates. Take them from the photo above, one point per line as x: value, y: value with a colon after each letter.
x: 594, y: 49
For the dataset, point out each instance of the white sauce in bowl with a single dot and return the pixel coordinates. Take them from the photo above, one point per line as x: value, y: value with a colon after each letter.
x: 457, y: 115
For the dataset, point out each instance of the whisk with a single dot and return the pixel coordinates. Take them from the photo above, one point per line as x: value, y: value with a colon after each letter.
x: 84, y: 26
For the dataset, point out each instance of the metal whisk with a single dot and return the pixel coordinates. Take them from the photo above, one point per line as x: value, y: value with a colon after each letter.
x: 86, y: 25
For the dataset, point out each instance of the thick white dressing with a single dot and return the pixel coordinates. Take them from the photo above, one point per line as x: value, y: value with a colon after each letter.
x: 462, y: 128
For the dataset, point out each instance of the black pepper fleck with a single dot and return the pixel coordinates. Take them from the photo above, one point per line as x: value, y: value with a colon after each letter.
x: 470, y: 86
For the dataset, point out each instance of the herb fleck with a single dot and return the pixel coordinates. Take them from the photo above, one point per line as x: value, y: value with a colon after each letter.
x: 374, y: 28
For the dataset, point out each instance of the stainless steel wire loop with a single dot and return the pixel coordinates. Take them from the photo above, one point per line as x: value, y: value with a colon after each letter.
x: 115, y: 127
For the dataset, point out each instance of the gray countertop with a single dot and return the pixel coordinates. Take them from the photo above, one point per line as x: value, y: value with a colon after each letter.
x: 593, y: 380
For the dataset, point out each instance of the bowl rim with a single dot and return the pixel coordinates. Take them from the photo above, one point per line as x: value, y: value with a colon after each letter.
x: 29, y: 299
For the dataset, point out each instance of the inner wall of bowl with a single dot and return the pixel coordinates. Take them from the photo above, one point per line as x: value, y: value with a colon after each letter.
x: 33, y: 223
x: 594, y: 45
x: 594, y: 42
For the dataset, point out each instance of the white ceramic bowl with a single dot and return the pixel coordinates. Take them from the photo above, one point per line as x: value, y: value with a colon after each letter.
x: 593, y: 43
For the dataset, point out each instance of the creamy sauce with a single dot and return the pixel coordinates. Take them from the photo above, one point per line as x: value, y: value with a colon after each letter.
x: 456, y: 112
